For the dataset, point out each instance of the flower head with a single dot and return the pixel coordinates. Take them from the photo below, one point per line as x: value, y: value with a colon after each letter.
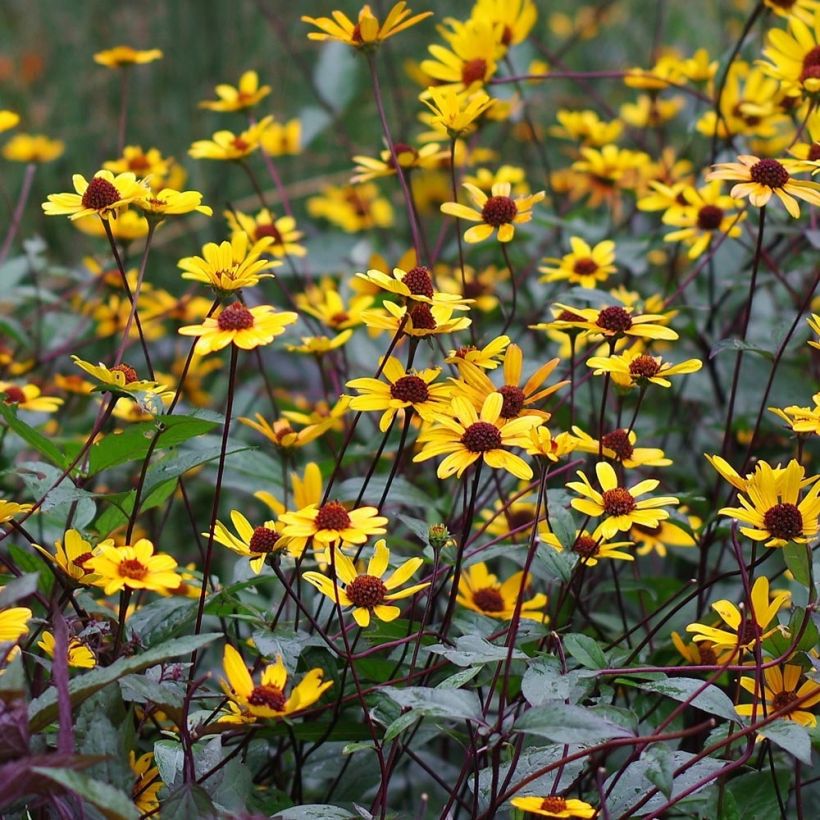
x: 72, y: 554
x: 134, y: 567
x: 225, y: 145
x: 255, y: 543
x: 79, y: 655
x: 554, y: 806
x: 247, y: 94
x: 633, y: 367
x: 121, y: 379
x: 454, y: 111
x: 781, y: 689
x: 585, y: 266
x: 125, y: 56
x: 169, y: 202
x: 330, y: 523
x: 366, y: 32
x: 32, y: 148
x: 613, y: 322
x: 481, y: 591
x: 104, y: 195
x: 14, y: 623
x: 793, y: 58
x: 28, y: 397
x: 11, y: 509
x: 230, y: 266
x: 264, y: 225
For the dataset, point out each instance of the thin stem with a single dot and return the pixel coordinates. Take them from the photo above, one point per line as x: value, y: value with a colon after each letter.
x: 19, y: 208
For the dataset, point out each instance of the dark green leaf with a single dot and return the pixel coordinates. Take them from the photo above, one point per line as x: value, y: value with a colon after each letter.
x: 585, y: 650
x: 116, y: 804
x: 797, y: 557
x: 568, y: 724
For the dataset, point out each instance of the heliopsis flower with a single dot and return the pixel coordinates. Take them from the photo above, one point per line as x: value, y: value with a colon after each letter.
x: 499, y: 212
x: 282, y: 138
x: 326, y: 304
x: 771, y: 505
x: 510, y: 520
x: 585, y: 266
x: 146, y: 787
x: 780, y: 691
x: 135, y: 567
x: 515, y: 17
x: 481, y: 591
x: 619, y: 445
x: 415, y: 284
x: 225, y: 145
x: 8, y: 119
x: 104, y: 195
x: 758, y: 179
x: 590, y: 547
x: 307, y: 489
x: 612, y: 322
x: 703, y: 653
x: 369, y: 593
x: 471, y: 60
x: 668, y: 533
x: 125, y: 56
x: 603, y: 174
x: 282, y: 434
x: 269, y: 698
x: 246, y: 94
x: 352, y: 208
x: 814, y: 323
x: 455, y: 112
x: 632, y: 368
x: 544, y: 444
x: 71, y: 555
x: 586, y: 127
x: 79, y: 655
x: 32, y: 148
x: 129, y: 225
x: 11, y: 509
x: 330, y: 523
x: 794, y: 57
x: 746, y: 628
x: 320, y: 345
x: 14, y: 623
x: 169, y: 202
x: 554, y: 806
x: 420, y: 320
x: 487, y: 357
x: 465, y: 436
x: 280, y: 230
x: 29, y: 397
x: 651, y: 111
x: 255, y: 543
x: 802, y: 420
x: 120, y: 379
x: 230, y: 266
x: 236, y: 324
x: 401, y: 389
x: 618, y: 505
x: 369, y: 168
x: 367, y: 32
x: 150, y: 164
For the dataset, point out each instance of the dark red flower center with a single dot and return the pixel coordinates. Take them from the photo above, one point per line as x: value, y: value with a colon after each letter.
x: 268, y: 230
x: 513, y: 402
x: 769, y: 172
x: 710, y: 217
x: 707, y: 655
x: 554, y: 804
x: 332, y: 516
x: 240, y: 144
x: 127, y: 371
x: 481, y: 437
x: 814, y: 151
x: 14, y: 394
x: 402, y: 148
x: 271, y: 696
x: 614, y: 319
x: 422, y: 317
x: 618, y: 501
x: 461, y: 352
x: 506, y: 36
x: 749, y: 632
x: 585, y: 267
x: 132, y: 568
x: 499, y: 210
x: 586, y: 546
x: 419, y: 282
x: 100, y: 194
x: 644, y: 366
x: 488, y: 599
x: 473, y: 71
x: 139, y: 164
x: 618, y: 442
x: 569, y: 316
x: 784, y: 521
x: 411, y: 389
x: 263, y: 540
x: 783, y: 700
x: 366, y: 591
x: 235, y: 317
x: 811, y: 65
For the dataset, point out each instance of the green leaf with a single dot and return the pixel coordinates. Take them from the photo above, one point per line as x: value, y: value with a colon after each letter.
x: 711, y: 700
x: 755, y: 796
x: 43, y: 710
x: 31, y: 436
x: 791, y: 737
x: 17, y: 589
x: 160, y: 620
x: 568, y: 724
x: 739, y: 344
x: 472, y: 649
x: 585, y: 650
x: 189, y: 800
x: 314, y: 811
x: 454, y: 704
x: 114, y: 803
x: 659, y: 770
x: 401, y: 723
x: 543, y: 681
x: 563, y: 525
x: 335, y: 74
x: 797, y: 560
x: 458, y: 680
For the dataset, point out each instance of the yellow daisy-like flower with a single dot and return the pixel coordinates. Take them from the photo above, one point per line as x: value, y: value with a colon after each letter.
x: 268, y: 699
x: 169, y: 202
x: 497, y: 212
x: 33, y: 148
x: 420, y: 320
x: 781, y: 689
x: 71, y: 556
x: 150, y: 164
x: 124, y: 56
x: 814, y: 324
x: 29, y: 397
x: 618, y: 505
x: 8, y: 119
x: 319, y: 345
x: 746, y: 629
x: 255, y: 543
x: 230, y: 266
x: 369, y: 593
x: 651, y: 111
x: 544, y: 444
x: 246, y: 94
x: 120, y: 379
x: 620, y: 446
x: 481, y: 591
x: 758, y: 179
x: 590, y: 547
x: 236, y: 324
x: 11, y: 509
x: 307, y: 489
x: 471, y: 60
x: 515, y: 17
x: 327, y: 305
x: 802, y: 9
x: 794, y: 56
x: 401, y: 389
x: 134, y: 567
x: 487, y: 357
x: 282, y: 434
x: 352, y: 208
x: 14, y: 623
x: 802, y: 420
x: 145, y: 791
x: 409, y: 158
x: 129, y: 225
x: 464, y: 436
x: 772, y: 509
x: 104, y: 195
x: 330, y: 523
x: 264, y: 225
x: 366, y: 32
x: 612, y: 322
x: 664, y: 534
x: 701, y: 654
x: 415, y: 284
x: 282, y: 138
x: 632, y: 367
x: 554, y: 806
x: 79, y: 655
x: 586, y: 127
x: 455, y: 112
x: 585, y: 266
x: 225, y: 145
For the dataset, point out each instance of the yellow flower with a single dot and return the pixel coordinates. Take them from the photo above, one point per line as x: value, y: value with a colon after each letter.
x: 79, y: 655
x: 352, y: 209
x: 415, y: 284
x: 515, y: 17
x: 104, y: 195
x: 402, y: 389
x: 481, y: 591
x: 455, y: 112
x: 134, y: 567
x: 129, y: 225
x: 499, y: 212
x: 125, y: 56
x: 281, y: 231
x: 664, y: 534
x: 246, y: 94
x: 780, y: 690
x: 544, y: 444
x: 471, y: 60
x: 772, y: 509
x: 282, y: 434
x: 307, y: 489
x: 326, y: 304
x: 632, y: 368
x: 554, y: 806
x: 814, y: 324
x: 120, y: 379
x: 282, y: 139
x: 14, y: 623
x: 369, y: 593
x: 585, y: 266
x: 603, y: 174
x: 268, y: 699
x: 369, y: 168
x: 330, y: 523
x: 147, y: 784
x: 745, y: 631
x: 8, y: 119
x: 802, y: 420
x: 586, y: 127
x: 32, y: 148
x: 619, y: 445
x: 149, y: 164
x: 169, y: 202
x: 230, y: 266
x: 612, y: 322
x: 319, y: 345
x: 11, y: 509
x: 236, y: 324
x: 794, y: 57
x: 618, y: 505
x: 701, y: 654
x: 464, y: 437
x: 487, y: 357
x: 648, y: 111
x: 255, y: 543
x: 589, y: 547
x: 422, y: 320
x: 367, y: 32
x: 758, y: 179
x: 225, y: 145
x: 71, y: 556
x: 29, y: 397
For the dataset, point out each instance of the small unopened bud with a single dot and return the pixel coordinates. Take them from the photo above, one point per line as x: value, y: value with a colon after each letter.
x: 439, y: 536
